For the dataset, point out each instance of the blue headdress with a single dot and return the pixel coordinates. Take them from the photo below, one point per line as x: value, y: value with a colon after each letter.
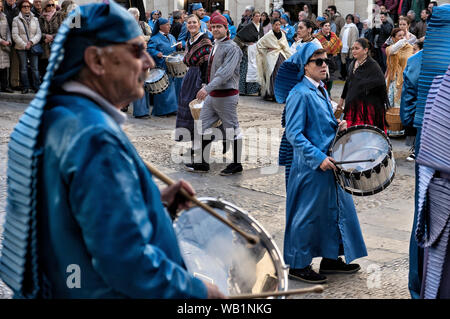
x: 196, y: 6
x: 87, y: 25
x: 159, y: 23
x: 292, y: 71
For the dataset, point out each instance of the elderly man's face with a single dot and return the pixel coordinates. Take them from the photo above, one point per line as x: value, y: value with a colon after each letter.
x: 10, y: 2
x: 165, y: 28
x: 37, y: 4
x: 125, y: 71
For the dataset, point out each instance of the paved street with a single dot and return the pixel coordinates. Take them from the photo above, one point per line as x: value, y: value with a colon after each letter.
x: 386, y: 218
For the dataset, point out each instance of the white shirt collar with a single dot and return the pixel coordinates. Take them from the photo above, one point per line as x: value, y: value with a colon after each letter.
x: 105, y: 105
x: 314, y: 82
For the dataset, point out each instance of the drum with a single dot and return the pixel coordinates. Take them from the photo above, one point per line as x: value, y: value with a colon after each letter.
x: 215, y: 253
x: 175, y: 65
x: 157, y: 81
x: 358, y: 143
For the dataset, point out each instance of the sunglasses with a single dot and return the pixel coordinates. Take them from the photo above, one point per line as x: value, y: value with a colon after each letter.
x: 50, y: 5
x: 320, y: 61
x: 138, y: 49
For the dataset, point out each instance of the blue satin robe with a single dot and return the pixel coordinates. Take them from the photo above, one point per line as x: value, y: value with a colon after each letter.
x: 290, y: 33
x: 101, y: 210
x: 166, y: 102
x: 321, y: 219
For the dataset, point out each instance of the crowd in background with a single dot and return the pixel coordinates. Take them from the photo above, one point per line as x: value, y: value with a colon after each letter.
x: 27, y: 30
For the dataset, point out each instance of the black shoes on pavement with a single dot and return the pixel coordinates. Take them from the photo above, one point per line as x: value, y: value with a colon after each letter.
x: 232, y: 169
x: 327, y: 266
x: 337, y: 266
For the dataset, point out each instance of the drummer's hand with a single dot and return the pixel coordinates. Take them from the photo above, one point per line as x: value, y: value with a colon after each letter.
x: 202, y: 94
x: 174, y: 199
x: 159, y: 55
x: 213, y: 291
x: 342, y: 125
x: 327, y: 164
x: 179, y: 46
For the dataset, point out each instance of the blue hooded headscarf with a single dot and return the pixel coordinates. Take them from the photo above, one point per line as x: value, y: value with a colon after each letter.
x: 196, y: 6
x: 286, y: 17
x: 159, y: 22
x: 92, y: 24
x: 292, y: 70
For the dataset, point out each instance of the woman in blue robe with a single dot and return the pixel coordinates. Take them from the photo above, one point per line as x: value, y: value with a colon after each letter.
x: 287, y: 28
x: 321, y: 219
x: 161, y: 44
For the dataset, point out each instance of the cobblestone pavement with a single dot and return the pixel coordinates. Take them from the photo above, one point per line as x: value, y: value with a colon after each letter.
x: 386, y: 218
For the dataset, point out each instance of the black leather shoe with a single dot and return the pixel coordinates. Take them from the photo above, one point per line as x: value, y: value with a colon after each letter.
x: 146, y: 116
x: 231, y: 169
x: 337, y: 266
x: 8, y: 90
x: 308, y: 275
x: 197, y: 167
x: 26, y: 91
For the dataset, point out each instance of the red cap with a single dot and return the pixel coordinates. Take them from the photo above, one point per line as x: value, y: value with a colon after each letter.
x: 218, y: 19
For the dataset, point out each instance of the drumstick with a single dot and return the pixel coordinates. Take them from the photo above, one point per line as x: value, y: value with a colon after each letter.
x: 317, y: 289
x: 355, y: 161
x: 251, y: 239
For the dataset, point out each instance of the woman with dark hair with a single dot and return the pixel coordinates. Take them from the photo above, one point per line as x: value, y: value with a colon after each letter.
x: 304, y: 35
x: 265, y: 22
x: 198, y: 48
x: 348, y: 36
x: 364, y: 94
x: 273, y: 49
x: 246, y: 39
x: 333, y: 45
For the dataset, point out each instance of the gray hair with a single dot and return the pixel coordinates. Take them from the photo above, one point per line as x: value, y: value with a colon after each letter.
x: 303, y: 13
x: 134, y: 12
x: 411, y: 11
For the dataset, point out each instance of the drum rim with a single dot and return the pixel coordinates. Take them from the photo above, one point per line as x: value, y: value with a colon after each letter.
x: 389, y: 157
x: 157, y: 67
x: 221, y: 204
x: 370, y: 127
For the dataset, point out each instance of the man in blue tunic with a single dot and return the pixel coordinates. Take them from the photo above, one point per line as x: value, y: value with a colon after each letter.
x: 84, y: 217
x: 197, y: 9
x: 321, y: 220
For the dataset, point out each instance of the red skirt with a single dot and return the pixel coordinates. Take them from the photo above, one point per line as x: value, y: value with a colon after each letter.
x: 359, y: 119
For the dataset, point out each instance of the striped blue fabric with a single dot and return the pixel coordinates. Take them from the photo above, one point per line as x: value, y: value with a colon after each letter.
x: 435, y: 56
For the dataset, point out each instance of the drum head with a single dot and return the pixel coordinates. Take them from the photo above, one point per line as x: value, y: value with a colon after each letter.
x: 364, y: 143
x: 175, y: 57
x: 214, y: 253
x: 155, y: 75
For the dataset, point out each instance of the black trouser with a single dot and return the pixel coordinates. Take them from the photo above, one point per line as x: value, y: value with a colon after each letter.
x: 3, y: 79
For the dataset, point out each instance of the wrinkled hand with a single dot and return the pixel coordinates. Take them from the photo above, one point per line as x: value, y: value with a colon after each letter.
x: 172, y: 196
x: 159, y: 55
x: 342, y: 125
x: 327, y: 164
x: 213, y: 291
x: 202, y: 94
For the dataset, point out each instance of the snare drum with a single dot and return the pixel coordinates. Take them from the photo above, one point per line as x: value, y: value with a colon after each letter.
x: 175, y: 65
x: 215, y: 253
x: 363, y: 142
x: 157, y: 81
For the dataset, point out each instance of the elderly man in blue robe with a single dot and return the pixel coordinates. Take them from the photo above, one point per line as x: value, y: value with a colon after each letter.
x: 84, y: 217
x: 197, y: 9
x: 161, y: 44
x: 321, y: 219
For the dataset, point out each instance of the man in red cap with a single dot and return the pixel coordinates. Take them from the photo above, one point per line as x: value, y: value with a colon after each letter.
x: 221, y: 96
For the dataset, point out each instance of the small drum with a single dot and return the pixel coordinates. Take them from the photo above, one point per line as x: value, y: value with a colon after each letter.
x: 215, y: 253
x: 157, y: 81
x: 358, y: 143
x: 175, y: 65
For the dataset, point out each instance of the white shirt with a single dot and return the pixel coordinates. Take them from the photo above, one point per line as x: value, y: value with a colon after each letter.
x: 314, y: 82
x: 215, y: 44
x: 105, y: 105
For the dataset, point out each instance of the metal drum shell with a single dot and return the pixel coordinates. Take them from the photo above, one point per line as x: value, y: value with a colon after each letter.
x: 237, y: 214
x: 158, y: 86
x: 176, y: 69
x: 370, y: 181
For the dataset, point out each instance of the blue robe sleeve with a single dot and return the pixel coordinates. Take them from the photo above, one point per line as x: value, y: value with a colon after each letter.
x: 232, y: 29
x: 297, y: 107
x: 409, y: 90
x: 152, y: 47
x: 118, y: 229
x: 182, y: 37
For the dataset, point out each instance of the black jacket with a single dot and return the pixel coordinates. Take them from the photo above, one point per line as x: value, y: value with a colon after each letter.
x: 384, y: 32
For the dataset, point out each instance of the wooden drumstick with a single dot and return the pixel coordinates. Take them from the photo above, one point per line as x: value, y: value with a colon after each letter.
x: 354, y: 161
x: 316, y: 289
x: 251, y: 239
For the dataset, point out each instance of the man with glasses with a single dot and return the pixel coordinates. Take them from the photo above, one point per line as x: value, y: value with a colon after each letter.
x: 321, y: 220
x: 98, y: 226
